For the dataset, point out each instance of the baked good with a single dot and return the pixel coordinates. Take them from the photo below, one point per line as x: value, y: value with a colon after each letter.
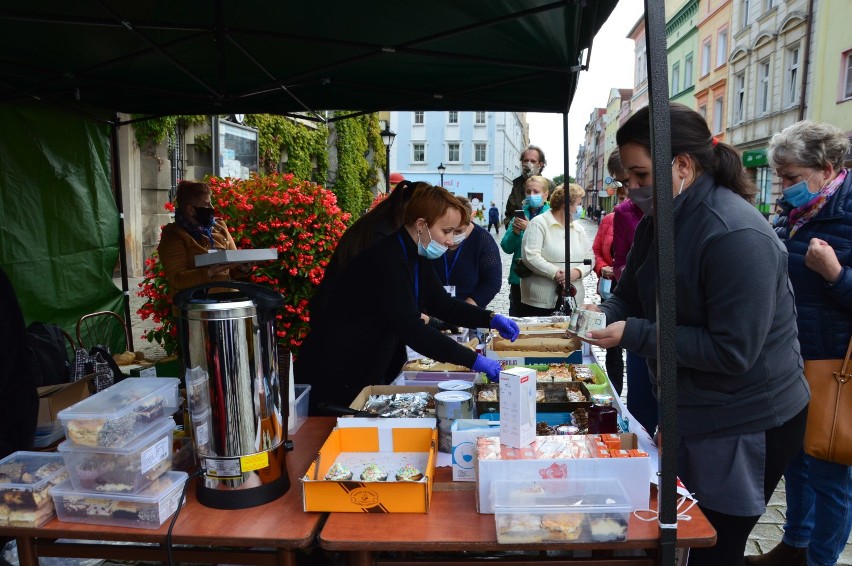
x: 562, y: 526
x: 24, y: 507
x: 150, y: 410
x: 374, y: 472
x: 339, y: 472
x: 518, y: 528
x: 99, y: 432
x: 408, y: 473
x: 489, y: 395
x: 607, y: 528
x: 124, y: 358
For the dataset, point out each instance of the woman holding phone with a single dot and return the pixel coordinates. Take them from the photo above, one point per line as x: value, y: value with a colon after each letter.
x: 535, y: 203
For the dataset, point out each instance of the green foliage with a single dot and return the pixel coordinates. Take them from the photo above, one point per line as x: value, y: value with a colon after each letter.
x: 155, y: 130
x: 277, y: 133
x: 559, y: 179
x: 356, y: 138
x: 204, y: 142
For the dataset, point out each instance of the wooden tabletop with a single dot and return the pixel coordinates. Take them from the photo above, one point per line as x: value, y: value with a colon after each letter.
x: 280, y: 523
x: 452, y: 524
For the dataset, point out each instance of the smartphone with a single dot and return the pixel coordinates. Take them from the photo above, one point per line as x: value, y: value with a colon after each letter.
x: 520, y: 214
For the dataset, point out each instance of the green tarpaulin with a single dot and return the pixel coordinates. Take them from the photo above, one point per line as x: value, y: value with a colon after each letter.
x: 58, y: 219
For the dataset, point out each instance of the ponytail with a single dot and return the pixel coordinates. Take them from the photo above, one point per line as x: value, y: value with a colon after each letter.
x: 728, y: 171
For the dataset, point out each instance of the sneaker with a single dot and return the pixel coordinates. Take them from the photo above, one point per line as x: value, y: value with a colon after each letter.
x: 782, y: 555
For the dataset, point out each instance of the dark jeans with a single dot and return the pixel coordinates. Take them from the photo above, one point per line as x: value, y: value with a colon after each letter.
x: 782, y: 443
x: 640, y: 397
x: 496, y: 227
x: 514, y: 299
x: 615, y: 368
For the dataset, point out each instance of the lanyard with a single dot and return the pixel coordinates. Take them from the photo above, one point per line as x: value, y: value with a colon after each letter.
x: 416, y: 271
x: 449, y: 268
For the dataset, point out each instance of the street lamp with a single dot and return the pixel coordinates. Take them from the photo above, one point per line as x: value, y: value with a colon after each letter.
x: 387, y: 139
x: 441, y: 170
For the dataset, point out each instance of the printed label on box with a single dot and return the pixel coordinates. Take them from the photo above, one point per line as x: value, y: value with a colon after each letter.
x: 155, y: 454
x: 168, y: 506
x: 222, y: 467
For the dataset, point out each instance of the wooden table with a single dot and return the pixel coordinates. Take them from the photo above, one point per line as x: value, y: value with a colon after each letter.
x: 453, y: 525
x: 276, y: 528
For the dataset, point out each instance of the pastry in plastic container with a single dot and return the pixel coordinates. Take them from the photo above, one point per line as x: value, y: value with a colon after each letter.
x: 25, y: 481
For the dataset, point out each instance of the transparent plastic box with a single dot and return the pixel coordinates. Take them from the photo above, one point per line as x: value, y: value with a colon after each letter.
x: 303, y: 394
x: 580, y: 510
x: 25, y: 479
x: 128, y: 469
x: 118, y: 415
x: 148, y: 509
x: 433, y: 378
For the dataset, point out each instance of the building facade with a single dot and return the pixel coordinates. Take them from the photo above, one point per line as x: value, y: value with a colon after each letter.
x: 480, y: 151
x: 711, y: 98
x: 681, y: 42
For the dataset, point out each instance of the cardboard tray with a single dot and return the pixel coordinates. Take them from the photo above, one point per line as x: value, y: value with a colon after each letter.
x: 483, y: 407
x: 319, y: 494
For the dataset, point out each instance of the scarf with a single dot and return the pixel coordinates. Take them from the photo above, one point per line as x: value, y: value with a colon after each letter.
x: 197, y: 231
x: 802, y: 215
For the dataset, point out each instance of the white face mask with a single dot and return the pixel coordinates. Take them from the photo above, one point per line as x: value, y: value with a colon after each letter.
x: 459, y: 238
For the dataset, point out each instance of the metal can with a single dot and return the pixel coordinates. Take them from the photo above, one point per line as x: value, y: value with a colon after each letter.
x: 449, y: 406
x: 456, y: 385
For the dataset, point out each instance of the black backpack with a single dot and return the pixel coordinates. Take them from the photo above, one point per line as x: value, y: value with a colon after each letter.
x: 48, y: 356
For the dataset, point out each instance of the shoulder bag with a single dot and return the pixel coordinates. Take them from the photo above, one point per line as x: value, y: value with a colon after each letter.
x: 521, y: 269
x: 829, y: 432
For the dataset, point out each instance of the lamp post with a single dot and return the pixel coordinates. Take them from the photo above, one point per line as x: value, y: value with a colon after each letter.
x: 387, y: 139
x: 441, y: 170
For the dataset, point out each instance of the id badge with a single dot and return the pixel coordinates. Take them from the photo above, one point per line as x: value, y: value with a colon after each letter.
x: 451, y: 289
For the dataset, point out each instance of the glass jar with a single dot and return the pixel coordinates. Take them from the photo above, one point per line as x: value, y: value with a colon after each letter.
x: 603, y: 417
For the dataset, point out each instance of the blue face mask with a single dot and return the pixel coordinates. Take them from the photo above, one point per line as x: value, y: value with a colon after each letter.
x: 535, y: 201
x: 432, y: 251
x: 576, y: 214
x: 798, y: 194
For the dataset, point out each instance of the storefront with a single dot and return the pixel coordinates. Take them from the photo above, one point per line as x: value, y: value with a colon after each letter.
x: 756, y: 163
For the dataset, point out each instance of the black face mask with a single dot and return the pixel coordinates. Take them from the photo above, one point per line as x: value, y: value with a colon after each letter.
x: 204, y: 216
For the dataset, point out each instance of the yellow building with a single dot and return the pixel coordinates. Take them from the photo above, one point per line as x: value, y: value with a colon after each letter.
x: 714, y: 47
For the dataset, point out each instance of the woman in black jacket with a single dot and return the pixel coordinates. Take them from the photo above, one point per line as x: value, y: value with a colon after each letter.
x: 375, y: 305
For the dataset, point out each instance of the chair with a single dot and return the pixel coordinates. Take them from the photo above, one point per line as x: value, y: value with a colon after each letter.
x: 70, y: 346
x: 104, y: 328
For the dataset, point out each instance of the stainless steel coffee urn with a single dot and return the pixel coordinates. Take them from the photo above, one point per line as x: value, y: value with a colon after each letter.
x: 239, y: 421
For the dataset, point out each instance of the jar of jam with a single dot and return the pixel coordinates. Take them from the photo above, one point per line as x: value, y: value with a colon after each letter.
x: 603, y: 417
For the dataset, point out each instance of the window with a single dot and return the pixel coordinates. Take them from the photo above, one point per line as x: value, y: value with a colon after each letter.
x: 769, y: 4
x: 718, y: 112
x: 418, y: 117
x: 705, y: 57
x: 722, y: 48
x: 479, y: 118
x: 744, y: 12
x: 792, y: 81
x: 453, y: 152
x: 847, y: 90
x: 687, y: 71
x: 739, y: 97
x: 641, y: 67
x: 763, y: 87
x: 419, y: 152
x: 479, y: 152
x: 703, y: 111
x: 452, y: 117
x: 675, y: 78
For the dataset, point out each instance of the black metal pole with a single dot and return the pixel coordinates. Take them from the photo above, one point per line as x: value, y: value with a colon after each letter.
x: 387, y: 168
x: 655, y: 38
x: 442, y: 179
x: 122, y: 242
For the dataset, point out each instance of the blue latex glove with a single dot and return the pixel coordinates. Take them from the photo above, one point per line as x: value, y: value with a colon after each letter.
x: 489, y: 367
x: 506, y: 327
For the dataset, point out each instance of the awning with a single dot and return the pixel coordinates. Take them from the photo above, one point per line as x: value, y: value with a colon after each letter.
x: 755, y: 158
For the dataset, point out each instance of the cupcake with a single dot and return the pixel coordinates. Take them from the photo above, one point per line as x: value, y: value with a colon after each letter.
x: 409, y: 473
x: 339, y: 472
x: 374, y: 472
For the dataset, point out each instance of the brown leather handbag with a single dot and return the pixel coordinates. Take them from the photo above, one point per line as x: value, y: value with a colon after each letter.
x: 829, y: 432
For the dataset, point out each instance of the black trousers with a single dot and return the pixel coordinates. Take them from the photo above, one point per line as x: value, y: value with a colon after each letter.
x: 615, y: 367
x: 782, y: 443
x: 514, y: 299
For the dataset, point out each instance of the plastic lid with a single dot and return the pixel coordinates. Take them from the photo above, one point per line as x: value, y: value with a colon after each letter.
x: 602, y: 399
x: 168, y: 482
x: 123, y: 397
x: 583, y: 495
x: 159, y: 429
x: 18, y: 464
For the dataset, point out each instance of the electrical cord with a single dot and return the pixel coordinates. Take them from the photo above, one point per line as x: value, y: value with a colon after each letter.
x: 192, y: 476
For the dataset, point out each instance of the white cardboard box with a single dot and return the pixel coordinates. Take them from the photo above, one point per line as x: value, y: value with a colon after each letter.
x: 465, y: 432
x: 235, y: 256
x: 517, y: 407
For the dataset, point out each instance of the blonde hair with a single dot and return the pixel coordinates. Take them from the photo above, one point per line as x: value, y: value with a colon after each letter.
x: 545, y: 184
x: 557, y: 199
x: 575, y: 192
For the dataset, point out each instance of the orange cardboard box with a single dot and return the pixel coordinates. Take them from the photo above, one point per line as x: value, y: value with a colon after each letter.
x: 358, y: 445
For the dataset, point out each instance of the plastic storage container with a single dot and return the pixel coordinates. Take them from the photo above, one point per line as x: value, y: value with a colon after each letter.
x: 303, y: 393
x: 580, y: 510
x: 117, y: 416
x: 25, y: 478
x: 128, y: 469
x: 148, y: 509
x: 433, y: 378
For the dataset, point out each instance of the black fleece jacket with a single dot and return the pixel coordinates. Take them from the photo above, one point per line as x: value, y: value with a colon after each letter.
x: 374, y: 306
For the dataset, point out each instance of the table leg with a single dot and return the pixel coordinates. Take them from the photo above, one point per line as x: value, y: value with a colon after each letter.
x: 286, y: 557
x: 26, y: 551
x: 360, y: 558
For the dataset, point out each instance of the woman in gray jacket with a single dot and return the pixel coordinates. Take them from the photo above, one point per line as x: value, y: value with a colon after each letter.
x: 742, y: 396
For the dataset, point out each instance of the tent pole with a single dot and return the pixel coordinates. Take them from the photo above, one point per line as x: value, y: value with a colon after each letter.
x: 655, y: 38
x: 568, y: 265
x: 122, y: 251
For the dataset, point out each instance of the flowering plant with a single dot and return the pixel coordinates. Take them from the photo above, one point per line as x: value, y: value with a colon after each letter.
x: 298, y: 218
x: 158, y: 304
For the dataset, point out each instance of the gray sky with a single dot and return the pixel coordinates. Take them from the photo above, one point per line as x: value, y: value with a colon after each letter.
x: 611, y: 66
